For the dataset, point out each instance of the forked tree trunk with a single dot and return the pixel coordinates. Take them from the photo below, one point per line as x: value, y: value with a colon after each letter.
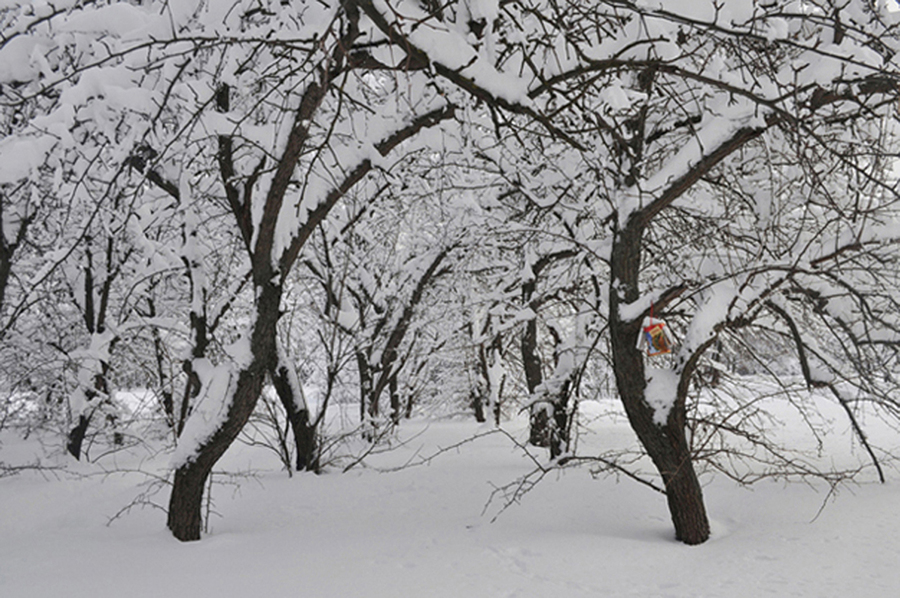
x: 667, y: 444
x: 185, y: 518
x: 185, y: 505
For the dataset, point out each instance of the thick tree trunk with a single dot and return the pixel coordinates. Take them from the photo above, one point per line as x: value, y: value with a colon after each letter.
x: 549, y: 418
x: 78, y: 433
x: 667, y: 444
x: 185, y: 504
x: 8, y: 249
x: 478, y: 406
x: 559, y: 429
x: 306, y: 442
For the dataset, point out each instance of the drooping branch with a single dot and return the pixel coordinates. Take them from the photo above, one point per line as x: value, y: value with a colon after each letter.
x: 817, y: 383
x: 798, y: 342
x: 390, y: 354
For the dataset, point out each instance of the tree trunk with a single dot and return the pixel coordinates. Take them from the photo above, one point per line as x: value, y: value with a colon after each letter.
x: 539, y: 418
x: 478, y: 405
x: 306, y: 442
x: 185, y: 504
x: 303, y: 430
x: 408, y: 408
x: 394, y: 392
x: 497, y: 402
x: 365, y: 383
x: 667, y: 445
x: 77, y: 434
x: 559, y: 427
x: 481, y: 392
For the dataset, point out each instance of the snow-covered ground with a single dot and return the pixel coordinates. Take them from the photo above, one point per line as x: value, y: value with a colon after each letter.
x: 423, y: 531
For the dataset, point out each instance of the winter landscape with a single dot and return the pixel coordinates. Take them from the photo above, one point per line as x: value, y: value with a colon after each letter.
x: 427, y: 530
x: 423, y: 298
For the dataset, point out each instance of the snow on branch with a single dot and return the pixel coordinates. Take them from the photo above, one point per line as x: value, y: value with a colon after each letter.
x: 637, y: 310
x: 451, y: 57
x: 714, y: 142
x: 315, y: 215
x: 214, y: 401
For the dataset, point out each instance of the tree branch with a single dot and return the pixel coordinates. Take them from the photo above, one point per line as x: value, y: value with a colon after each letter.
x: 318, y: 214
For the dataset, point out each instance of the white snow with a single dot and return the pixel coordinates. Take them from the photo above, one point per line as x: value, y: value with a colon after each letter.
x: 117, y: 19
x: 16, y: 57
x: 420, y: 532
x: 662, y: 386
x: 717, y: 300
x: 209, y: 412
x: 20, y: 156
x: 452, y: 50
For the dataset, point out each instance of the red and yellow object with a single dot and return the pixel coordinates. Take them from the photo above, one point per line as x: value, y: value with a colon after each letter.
x: 658, y: 341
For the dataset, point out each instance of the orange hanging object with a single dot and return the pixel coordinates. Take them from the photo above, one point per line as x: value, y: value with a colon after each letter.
x: 657, y: 339
x: 654, y: 334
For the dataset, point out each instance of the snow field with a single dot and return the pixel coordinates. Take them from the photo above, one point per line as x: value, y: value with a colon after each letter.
x: 420, y: 532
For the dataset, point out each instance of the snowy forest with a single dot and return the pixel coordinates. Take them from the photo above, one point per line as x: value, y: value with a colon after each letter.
x: 570, y: 250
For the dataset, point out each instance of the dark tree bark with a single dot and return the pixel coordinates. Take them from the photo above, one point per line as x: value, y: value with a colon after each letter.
x: 539, y: 420
x: 382, y: 375
x: 94, y: 316
x: 394, y: 393
x: 8, y: 248
x: 185, y: 517
x: 478, y: 406
x: 302, y: 428
x: 167, y: 400
x: 365, y: 387
x: 488, y: 356
x: 76, y: 436
x: 549, y: 415
x: 667, y: 445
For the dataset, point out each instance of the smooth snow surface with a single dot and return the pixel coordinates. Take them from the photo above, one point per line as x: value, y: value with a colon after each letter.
x: 420, y: 532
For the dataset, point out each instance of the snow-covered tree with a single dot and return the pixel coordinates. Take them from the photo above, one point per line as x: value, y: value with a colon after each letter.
x: 718, y: 141
x: 728, y: 137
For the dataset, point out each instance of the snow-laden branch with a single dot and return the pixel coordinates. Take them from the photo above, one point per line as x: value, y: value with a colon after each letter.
x: 451, y: 57
x: 315, y: 215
